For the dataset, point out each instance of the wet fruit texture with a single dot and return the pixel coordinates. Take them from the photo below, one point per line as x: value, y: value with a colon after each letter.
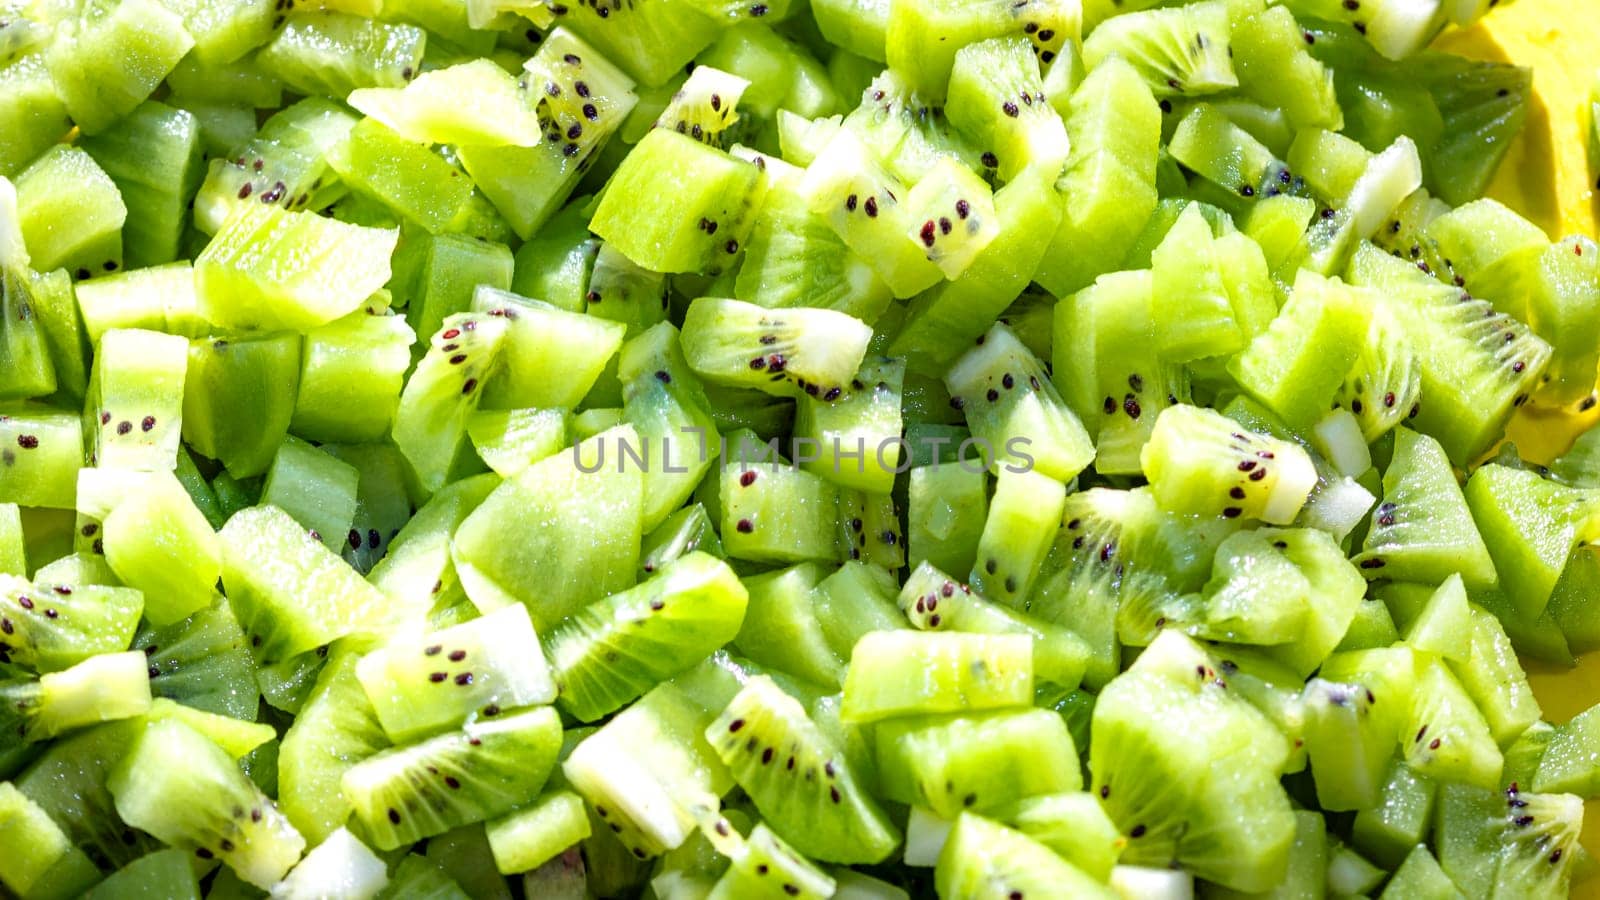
x: 768, y: 449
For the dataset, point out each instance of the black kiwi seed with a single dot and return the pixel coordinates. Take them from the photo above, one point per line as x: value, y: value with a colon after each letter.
x: 457, y: 655
x: 1137, y: 832
x: 745, y: 526
x: 437, y: 677
x: 394, y: 816
x: 435, y: 650
x: 464, y: 679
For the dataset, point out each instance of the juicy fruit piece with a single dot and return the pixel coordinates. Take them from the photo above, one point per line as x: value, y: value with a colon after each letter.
x: 615, y: 649
x: 931, y: 601
x: 1385, y: 383
x: 538, y: 833
x: 333, y: 53
x: 336, y: 728
x: 1011, y: 404
x: 158, y: 542
x: 1112, y: 170
x: 954, y: 672
x: 430, y: 426
x: 551, y: 357
x: 135, y: 402
x: 808, y: 351
x: 271, y: 268
x: 1296, y: 365
x: 651, y: 801
x: 1073, y: 825
x: 482, y: 771
x: 428, y: 109
x: 1201, y: 462
x: 1146, y: 728
x: 42, y: 858
x: 1181, y: 51
x: 713, y: 190
x: 1256, y: 595
x: 922, y: 38
x: 983, y: 859
x: 318, y: 490
x: 561, y: 534
x: 1447, y: 737
x: 51, y: 627
x: 952, y: 216
x: 1471, y: 375
x: 580, y: 99
x: 1550, y: 518
x: 857, y: 434
x: 976, y: 762
x: 110, y: 56
x: 1105, y: 358
x: 99, y: 689
x: 413, y: 184
x: 799, y: 779
x: 351, y: 374
x: 420, y: 684
x: 291, y: 593
x: 153, y: 156
x: 849, y: 186
x: 766, y: 867
x: 1024, y: 514
x: 509, y: 440
x: 186, y: 791
x: 997, y: 99
x: 339, y: 864
x: 1423, y: 530
x: 42, y: 470
x: 239, y: 399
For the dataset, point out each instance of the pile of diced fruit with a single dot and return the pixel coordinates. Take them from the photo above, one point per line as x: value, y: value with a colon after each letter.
x: 755, y: 448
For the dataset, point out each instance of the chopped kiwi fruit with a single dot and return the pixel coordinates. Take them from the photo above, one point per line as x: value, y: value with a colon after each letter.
x: 798, y: 778
x: 748, y: 448
x: 484, y: 770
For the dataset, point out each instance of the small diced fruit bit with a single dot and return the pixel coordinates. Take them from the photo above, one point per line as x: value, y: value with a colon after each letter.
x: 1200, y: 462
x: 185, y: 791
x: 351, y: 373
x: 1012, y: 406
x: 818, y: 801
x: 291, y: 593
x: 652, y: 801
x: 418, y: 685
x: 1148, y: 724
x: 110, y: 55
x: 135, y: 403
x: 429, y: 109
x: 158, y: 542
x: 341, y: 865
x: 532, y: 836
x: 984, y: 859
x: 897, y: 673
x: 482, y: 771
x: 270, y: 268
x: 41, y: 449
x: 614, y: 650
x: 99, y: 689
x: 563, y: 533
x: 41, y: 859
x: 48, y: 626
x: 713, y: 193
x: 815, y: 352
